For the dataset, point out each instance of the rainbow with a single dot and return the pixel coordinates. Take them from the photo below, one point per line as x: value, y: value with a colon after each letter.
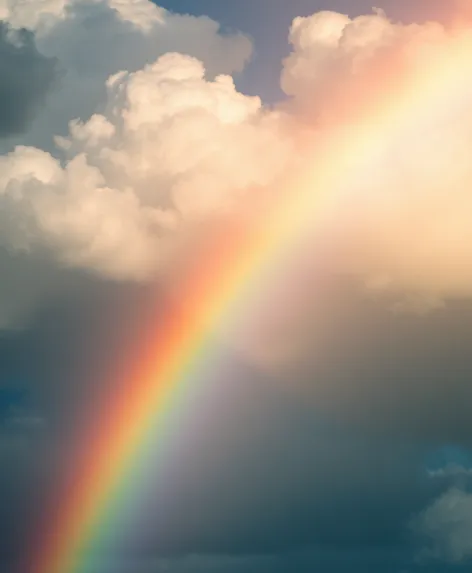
x: 212, y: 295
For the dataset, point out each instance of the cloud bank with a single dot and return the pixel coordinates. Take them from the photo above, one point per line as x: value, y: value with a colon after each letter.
x: 145, y: 133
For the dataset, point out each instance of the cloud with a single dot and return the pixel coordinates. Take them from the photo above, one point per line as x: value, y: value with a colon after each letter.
x: 339, y: 65
x: 255, y: 467
x: 385, y: 560
x: 452, y: 470
x: 248, y: 473
x: 90, y: 42
x: 168, y: 142
x: 94, y: 40
x: 446, y: 525
x: 171, y: 147
x: 383, y: 113
x: 403, y: 206
x: 147, y: 134
x: 27, y: 79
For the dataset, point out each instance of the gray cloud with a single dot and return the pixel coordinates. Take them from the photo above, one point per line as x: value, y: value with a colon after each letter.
x: 446, y: 527
x: 26, y: 77
x: 94, y: 40
x: 326, y: 561
x: 257, y: 467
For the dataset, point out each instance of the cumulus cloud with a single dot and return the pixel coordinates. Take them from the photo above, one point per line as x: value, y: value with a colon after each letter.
x: 93, y: 40
x: 401, y: 96
x: 171, y: 146
x: 340, y: 65
x: 147, y: 133
x: 42, y: 192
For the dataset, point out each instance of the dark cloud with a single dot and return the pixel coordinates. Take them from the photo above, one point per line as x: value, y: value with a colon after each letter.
x: 26, y: 76
x: 325, y: 561
x: 256, y: 468
x: 400, y: 374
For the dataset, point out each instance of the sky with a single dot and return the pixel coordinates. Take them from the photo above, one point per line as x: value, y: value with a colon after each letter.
x: 331, y: 430
x: 267, y: 23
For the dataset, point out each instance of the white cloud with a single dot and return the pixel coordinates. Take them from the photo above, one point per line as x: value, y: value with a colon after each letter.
x: 171, y: 147
x: 32, y: 14
x: 401, y: 95
x: 140, y: 138
x: 340, y: 64
x: 142, y: 13
x: 93, y: 40
x: 84, y: 208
